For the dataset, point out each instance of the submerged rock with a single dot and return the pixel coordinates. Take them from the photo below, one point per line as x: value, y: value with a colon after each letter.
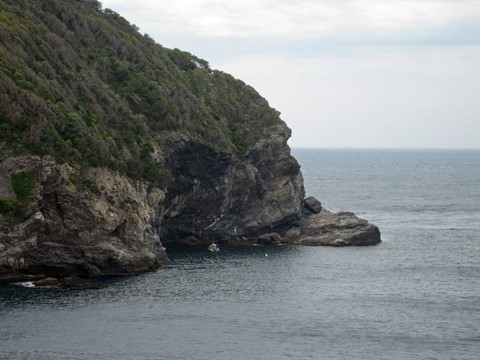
x: 17, y: 278
x: 77, y: 283
x: 49, y: 281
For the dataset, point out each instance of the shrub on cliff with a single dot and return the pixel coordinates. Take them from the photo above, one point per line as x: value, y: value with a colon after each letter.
x: 13, y: 210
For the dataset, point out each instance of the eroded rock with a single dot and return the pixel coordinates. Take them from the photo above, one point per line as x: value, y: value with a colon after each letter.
x: 270, y: 239
x: 312, y: 204
x: 217, y: 196
x: 89, y: 223
x: 336, y: 229
x: 97, y: 222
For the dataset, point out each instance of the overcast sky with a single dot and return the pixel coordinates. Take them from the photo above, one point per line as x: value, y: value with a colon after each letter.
x: 343, y: 73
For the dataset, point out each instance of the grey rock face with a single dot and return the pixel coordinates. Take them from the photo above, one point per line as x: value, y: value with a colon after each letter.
x: 259, y: 199
x: 270, y: 239
x: 216, y: 196
x: 96, y: 223
x: 313, y: 204
x: 335, y: 229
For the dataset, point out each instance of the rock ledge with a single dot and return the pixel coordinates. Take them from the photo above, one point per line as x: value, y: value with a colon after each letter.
x: 335, y: 229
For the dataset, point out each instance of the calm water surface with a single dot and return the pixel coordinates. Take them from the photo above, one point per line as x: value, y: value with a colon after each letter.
x: 415, y: 296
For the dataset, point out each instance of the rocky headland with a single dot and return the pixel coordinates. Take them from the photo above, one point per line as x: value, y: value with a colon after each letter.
x: 130, y: 146
x: 99, y: 222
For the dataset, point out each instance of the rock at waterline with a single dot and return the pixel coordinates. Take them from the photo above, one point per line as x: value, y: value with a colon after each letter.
x: 313, y: 204
x: 49, y: 281
x: 77, y: 283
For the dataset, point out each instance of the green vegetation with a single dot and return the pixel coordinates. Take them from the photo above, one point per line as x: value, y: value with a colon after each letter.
x: 80, y: 83
x: 23, y: 185
x: 11, y: 208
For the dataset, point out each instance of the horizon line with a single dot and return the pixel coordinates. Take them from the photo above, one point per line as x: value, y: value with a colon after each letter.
x: 387, y: 148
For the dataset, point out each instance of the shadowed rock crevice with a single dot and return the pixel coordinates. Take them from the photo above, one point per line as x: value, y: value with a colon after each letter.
x: 221, y: 197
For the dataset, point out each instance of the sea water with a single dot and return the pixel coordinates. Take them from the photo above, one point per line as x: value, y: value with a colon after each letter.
x: 414, y: 296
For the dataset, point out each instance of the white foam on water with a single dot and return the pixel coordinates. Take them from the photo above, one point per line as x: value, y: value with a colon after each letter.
x: 26, y: 284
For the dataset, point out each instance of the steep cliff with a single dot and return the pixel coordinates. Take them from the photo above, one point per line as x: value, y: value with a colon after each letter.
x: 93, y: 223
x: 110, y: 142
x: 217, y: 196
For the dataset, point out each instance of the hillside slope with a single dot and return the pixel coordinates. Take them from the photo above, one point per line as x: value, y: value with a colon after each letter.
x: 83, y: 85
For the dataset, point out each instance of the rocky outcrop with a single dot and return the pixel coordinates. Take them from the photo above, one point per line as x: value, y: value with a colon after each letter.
x: 312, y: 204
x: 92, y: 223
x: 259, y: 199
x: 146, y: 111
x: 334, y: 229
x: 217, y: 196
x: 97, y: 222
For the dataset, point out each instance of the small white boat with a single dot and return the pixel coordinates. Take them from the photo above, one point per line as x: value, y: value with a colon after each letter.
x: 213, y: 247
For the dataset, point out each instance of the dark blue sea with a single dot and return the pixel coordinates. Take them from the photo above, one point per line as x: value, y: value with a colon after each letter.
x: 415, y: 296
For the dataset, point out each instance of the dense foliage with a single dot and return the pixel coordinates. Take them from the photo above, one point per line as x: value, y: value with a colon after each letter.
x: 82, y: 84
x: 23, y: 185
